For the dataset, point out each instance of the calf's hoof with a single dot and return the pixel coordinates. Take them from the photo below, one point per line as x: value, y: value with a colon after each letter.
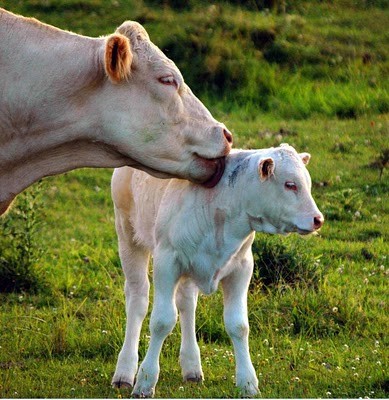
x: 122, y: 382
x: 193, y: 377
x: 143, y: 394
x: 249, y: 390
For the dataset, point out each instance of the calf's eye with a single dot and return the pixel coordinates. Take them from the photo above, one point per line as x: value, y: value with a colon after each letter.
x: 291, y: 186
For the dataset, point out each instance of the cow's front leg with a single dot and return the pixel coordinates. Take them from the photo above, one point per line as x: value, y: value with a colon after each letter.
x: 162, y: 321
x: 186, y: 300
x: 235, y: 287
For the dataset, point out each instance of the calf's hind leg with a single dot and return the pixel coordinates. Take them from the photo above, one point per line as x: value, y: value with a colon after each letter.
x: 134, y: 259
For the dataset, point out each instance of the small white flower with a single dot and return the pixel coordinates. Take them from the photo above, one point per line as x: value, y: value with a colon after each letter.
x: 334, y: 309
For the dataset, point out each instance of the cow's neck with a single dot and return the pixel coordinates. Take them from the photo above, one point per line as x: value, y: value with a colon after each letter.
x: 53, y: 161
x: 47, y: 77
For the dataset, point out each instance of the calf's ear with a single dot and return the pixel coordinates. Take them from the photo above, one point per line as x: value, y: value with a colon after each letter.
x: 305, y: 157
x: 266, y: 168
x: 117, y: 58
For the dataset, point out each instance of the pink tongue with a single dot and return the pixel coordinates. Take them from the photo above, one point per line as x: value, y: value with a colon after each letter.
x: 214, y: 180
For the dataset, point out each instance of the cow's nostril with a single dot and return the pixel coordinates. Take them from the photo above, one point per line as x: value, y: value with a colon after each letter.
x: 227, y: 135
x: 318, y: 221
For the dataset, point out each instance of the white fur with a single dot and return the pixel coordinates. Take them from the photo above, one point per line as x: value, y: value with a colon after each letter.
x: 199, y: 237
x: 59, y: 110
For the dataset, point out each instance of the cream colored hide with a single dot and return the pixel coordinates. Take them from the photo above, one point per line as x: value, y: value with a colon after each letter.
x: 70, y: 101
x: 199, y: 238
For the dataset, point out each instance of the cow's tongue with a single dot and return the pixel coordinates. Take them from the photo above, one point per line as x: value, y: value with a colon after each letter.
x: 215, y: 178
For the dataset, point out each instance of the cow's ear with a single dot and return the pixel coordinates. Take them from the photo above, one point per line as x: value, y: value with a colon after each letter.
x: 117, y: 57
x: 305, y: 157
x: 266, y: 168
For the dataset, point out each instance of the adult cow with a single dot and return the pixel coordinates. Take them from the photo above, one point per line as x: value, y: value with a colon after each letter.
x: 70, y: 101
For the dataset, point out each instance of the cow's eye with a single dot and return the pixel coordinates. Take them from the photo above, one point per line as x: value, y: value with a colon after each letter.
x: 291, y: 186
x: 169, y: 81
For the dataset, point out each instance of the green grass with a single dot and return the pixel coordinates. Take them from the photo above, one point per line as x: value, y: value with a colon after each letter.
x: 327, y: 339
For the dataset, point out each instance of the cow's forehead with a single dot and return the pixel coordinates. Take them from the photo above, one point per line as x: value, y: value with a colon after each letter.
x: 144, y: 48
x: 155, y: 58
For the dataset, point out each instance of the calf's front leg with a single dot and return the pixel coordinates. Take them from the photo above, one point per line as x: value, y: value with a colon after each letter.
x: 162, y: 321
x: 186, y: 300
x: 235, y: 287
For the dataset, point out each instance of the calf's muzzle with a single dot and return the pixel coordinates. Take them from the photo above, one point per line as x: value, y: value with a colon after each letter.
x: 318, y: 221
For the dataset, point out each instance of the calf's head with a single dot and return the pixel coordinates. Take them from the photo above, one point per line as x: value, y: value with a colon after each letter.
x: 284, y: 203
x: 153, y: 116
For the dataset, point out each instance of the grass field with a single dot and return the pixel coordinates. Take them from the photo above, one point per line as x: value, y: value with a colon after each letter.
x: 312, y: 86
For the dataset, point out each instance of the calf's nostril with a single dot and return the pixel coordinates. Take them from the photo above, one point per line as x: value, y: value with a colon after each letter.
x: 318, y: 221
x: 227, y: 135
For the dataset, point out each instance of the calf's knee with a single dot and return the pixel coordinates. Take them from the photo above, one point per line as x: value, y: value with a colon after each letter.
x: 237, y: 329
x: 162, y: 325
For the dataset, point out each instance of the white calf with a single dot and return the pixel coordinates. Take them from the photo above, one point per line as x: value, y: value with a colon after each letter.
x: 199, y: 237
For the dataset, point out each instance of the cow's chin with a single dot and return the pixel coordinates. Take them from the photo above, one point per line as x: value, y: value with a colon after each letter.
x: 206, y: 172
x: 213, y: 180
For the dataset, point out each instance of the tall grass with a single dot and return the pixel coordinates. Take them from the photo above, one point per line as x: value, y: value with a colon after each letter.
x: 20, y: 245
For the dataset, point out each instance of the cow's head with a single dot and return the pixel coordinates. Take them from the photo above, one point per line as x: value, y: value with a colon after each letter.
x: 286, y: 204
x: 153, y: 116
